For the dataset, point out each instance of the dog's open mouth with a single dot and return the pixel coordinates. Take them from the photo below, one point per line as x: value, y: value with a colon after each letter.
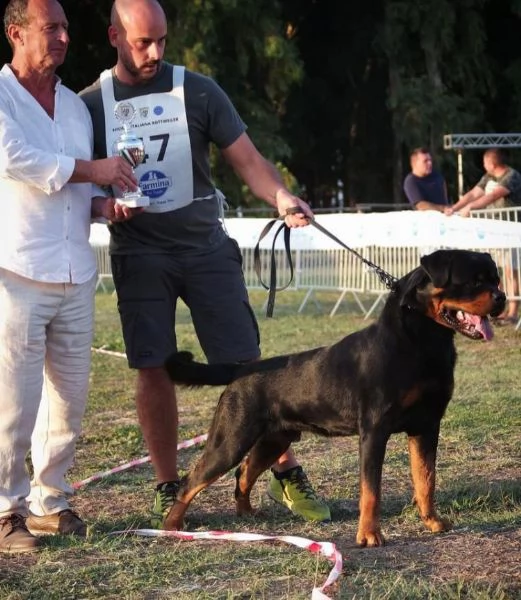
x: 472, y: 326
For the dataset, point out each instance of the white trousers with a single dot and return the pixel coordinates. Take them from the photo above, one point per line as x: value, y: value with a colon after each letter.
x: 46, y: 334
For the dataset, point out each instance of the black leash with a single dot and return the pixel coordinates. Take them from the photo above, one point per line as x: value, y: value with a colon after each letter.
x: 388, y: 280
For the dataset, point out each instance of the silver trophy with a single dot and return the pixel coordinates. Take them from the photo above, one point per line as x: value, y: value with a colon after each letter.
x: 132, y: 149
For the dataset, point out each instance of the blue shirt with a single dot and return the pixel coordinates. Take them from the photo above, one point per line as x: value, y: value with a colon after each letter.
x: 430, y: 188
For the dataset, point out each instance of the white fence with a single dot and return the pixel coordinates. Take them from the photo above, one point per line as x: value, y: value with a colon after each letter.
x: 393, y: 241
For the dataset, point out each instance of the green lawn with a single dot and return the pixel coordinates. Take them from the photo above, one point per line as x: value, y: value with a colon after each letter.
x: 478, y: 482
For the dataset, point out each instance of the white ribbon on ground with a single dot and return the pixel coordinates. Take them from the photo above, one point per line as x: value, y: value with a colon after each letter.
x: 326, y: 549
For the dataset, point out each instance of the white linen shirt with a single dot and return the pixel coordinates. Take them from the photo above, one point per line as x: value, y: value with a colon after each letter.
x: 44, y: 221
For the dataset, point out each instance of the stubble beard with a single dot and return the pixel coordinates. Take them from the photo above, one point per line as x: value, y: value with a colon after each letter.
x: 136, y: 73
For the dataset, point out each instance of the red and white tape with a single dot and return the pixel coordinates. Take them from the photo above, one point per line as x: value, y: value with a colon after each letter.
x: 109, y: 352
x: 326, y: 549
x: 136, y: 462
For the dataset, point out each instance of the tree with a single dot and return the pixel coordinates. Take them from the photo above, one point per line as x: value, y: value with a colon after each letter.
x: 243, y: 45
x: 439, y: 74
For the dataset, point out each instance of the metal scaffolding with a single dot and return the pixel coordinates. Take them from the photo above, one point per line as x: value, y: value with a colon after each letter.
x: 455, y: 141
x: 461, y: 141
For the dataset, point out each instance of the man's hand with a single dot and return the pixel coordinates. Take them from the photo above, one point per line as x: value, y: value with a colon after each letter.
x: 105, y: 171
x: 108, y: 208
x: 114, y: 171
x: 287, y: 201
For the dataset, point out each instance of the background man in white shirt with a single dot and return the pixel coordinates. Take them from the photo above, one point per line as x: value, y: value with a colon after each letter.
x: 47, y: 273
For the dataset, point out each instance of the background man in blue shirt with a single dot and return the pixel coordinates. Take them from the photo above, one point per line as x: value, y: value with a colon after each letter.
x: 425, y: 188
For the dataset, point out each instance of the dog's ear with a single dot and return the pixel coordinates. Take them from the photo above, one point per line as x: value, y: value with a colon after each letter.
x: 434, y: 271
x: 438, y: 267
x: 410, y: 286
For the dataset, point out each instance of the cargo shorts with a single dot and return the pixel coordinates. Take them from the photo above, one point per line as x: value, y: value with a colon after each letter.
x: 211, y: 285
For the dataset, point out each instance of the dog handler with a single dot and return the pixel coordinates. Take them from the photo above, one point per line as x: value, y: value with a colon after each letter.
x: 177, y: 248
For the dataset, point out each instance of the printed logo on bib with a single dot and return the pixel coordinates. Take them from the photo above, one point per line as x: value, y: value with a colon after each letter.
x: 154, y: 183
x: 158, y: 110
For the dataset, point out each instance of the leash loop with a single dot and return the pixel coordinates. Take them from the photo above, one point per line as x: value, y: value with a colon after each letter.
x: 386, y: 278
x: 272, y: 287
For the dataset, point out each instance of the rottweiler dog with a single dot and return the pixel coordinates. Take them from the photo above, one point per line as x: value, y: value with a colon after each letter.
x: 396, y: 375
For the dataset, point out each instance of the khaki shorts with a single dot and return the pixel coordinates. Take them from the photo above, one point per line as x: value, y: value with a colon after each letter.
x: 211, y: 285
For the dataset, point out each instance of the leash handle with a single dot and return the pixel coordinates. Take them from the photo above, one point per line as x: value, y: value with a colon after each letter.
x: 386, y: 278
x: 272, y: 287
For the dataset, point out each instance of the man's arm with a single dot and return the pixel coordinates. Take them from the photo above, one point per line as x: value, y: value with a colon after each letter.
x: 48, y: 171
x: 484, y: 200
x: 415, y: 197
x: 425, y: 205
x: 264, y: 180
x: 471, y: 196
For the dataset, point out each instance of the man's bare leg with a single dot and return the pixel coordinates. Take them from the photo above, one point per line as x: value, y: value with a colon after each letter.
x: 158, y: 417
x: 285, y: 461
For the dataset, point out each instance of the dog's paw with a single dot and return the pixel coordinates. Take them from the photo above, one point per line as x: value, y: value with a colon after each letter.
x: 437, y: 524
x: 174, y: 521
x: 244, y: 507
x: 370, y: 538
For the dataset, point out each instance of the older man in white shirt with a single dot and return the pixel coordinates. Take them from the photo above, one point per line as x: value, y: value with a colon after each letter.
x: 47, y: 273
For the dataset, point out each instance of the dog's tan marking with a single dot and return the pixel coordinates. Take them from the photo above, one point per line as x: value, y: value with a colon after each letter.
x: 175, y: 519
x: 480, y: 305
x: 423, y: 472
x: 411, y: 396
x: 243, y: 489
x: 369, y: 533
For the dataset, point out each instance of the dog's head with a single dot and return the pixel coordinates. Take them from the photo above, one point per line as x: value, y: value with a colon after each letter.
x: 456, y: 288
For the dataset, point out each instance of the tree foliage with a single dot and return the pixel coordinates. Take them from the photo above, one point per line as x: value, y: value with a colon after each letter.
x: 337, y: 93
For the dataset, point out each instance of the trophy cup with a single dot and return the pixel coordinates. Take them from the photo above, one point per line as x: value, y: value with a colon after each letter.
x: 132, y: 149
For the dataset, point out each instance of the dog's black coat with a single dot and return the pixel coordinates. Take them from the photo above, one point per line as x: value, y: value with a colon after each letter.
x: 394, y: 376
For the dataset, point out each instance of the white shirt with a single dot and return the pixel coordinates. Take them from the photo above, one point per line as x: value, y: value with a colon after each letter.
x: 44, y: 221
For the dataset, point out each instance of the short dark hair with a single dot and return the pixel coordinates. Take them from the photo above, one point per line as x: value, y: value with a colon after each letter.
x: 497, y: 154
x: 420, y: 150
x: 15, y: 14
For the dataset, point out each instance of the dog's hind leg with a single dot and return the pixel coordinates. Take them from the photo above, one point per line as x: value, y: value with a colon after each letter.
x: 422, y: 454
x: 208, y: 469
x: 224, y: 449
x: 262, y: 455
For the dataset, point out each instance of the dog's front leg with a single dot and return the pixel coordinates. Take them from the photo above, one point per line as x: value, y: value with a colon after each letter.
x: 422, y: 453
x: 372, y: 453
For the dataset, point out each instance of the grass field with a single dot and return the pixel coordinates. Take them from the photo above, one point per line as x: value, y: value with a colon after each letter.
x: 478, y: 483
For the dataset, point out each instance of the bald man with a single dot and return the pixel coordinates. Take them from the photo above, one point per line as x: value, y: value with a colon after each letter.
x: 178, y: 248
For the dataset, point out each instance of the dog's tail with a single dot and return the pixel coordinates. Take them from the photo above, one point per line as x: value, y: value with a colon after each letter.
x: 183, y: 370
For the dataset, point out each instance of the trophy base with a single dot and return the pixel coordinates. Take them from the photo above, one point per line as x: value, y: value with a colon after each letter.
x: 136, y: 201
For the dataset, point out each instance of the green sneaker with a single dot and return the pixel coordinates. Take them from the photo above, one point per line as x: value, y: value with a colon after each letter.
x: 292, y: 488
x: 163, y: 501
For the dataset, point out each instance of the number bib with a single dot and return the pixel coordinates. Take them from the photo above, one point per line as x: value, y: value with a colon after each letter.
x: 166, y: 176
